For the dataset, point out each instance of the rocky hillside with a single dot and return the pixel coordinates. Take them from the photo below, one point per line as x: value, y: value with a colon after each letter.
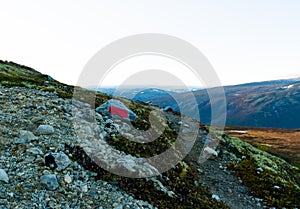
x: 272, y: 104
x: 46, y: 159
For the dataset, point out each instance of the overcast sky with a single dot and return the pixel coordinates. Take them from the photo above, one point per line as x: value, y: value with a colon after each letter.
x: 244, y: 40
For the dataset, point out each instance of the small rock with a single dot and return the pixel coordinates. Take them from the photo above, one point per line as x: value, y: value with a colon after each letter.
x: 28, y: 112
x: 216, y: 197
x: 67, y: 179
x: 84, y: 188
x: 49, y: 181
x: 3, y: 176
x: 37, y: 119
x: 20, y: 141
x: 209, y: 152
x: 260, y: 169
x: 35, y: 151
x: 27, y: 135
x: 58, y: 161
x: 45, y: 130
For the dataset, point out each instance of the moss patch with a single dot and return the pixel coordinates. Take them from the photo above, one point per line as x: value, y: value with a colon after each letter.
x: 270, y: 177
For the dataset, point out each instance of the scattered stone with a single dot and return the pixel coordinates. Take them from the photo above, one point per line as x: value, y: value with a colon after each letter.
x: 21, y: 141
x: 45, y: 130
x: 209, y: 152
x: 84, y: 188
x: 58, y: 161
x: 216, y: 197
x: 260, y: 169
x: 67, y: 179
x: 34, y: 151
x: 3, y: 176
x: 27, y: 135
x: 37, y: 119
x: 49, y: 181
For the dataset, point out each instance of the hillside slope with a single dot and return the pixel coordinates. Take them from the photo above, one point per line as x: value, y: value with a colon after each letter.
x: 38, y: 125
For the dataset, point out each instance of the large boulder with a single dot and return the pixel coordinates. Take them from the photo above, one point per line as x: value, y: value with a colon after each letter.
x: 115, y: 108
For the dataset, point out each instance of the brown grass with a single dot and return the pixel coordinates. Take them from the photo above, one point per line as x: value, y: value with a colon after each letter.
x: 281, y: 142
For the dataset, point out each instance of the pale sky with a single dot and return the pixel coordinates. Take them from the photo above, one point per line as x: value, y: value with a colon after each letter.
x: 244, y: 40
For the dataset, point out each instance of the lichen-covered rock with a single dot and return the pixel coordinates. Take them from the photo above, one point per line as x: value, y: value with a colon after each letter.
x: 49, y: 181
x: 45, y: 130
x: 3, y: 176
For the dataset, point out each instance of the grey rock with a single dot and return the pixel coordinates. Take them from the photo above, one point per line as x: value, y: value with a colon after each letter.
x: 28, y: 135
x: 3, y: 176
x: 34, y: 151
x: 37, y: 119
x: 67, y: 179
x: 59, y: 160
x: 45, y: 130
x: 49, y: 181
x: 21, y: 141
x: 28, y: 112
x: 84, y: 188
x: 104, y: 109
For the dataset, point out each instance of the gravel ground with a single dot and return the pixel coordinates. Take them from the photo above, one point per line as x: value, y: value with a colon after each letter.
x: 35, y: 124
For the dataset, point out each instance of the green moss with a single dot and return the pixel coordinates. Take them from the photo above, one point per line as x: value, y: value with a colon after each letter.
x: 262, y: 147
x: 270, y: 177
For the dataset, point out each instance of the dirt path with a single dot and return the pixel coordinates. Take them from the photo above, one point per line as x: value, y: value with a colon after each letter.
x: 223, y: 184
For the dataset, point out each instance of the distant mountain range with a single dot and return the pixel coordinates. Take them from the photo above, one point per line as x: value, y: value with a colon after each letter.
x: 270, y: 104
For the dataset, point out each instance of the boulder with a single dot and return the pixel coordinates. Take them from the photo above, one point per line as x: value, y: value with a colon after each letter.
x: 115, y: 108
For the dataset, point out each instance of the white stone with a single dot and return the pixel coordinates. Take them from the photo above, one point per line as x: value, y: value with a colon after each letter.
x: 67, y: 179
x: 260, y: 169
x: 210, y: 151
x: 3, y: 176
x: 84, y: 188
x: 216, y: 197
x: 45, y: 130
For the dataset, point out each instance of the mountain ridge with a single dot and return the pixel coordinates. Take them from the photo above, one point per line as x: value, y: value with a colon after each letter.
x: 271, y: 104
